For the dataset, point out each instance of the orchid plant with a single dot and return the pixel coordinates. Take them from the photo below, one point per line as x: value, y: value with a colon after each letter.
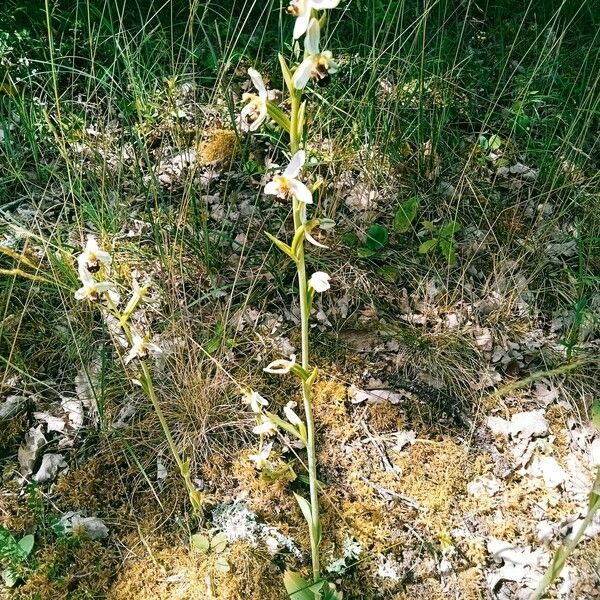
x: 94, y: 262
x: 288, y: 187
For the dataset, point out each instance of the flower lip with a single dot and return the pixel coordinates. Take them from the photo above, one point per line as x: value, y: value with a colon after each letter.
x: 255, y: 401
x: 281, y: 366
x: 302, y: 10
x: 255, y: 112
x: 92, y: 256
x: 319, y: 281
x: 290, y: 415
x: 286, y: 186
x: 266, y: 427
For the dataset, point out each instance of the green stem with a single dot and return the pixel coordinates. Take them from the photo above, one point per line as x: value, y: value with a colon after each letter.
x: 561, y: 555
x: 148, y: 386
x: 306, y: 388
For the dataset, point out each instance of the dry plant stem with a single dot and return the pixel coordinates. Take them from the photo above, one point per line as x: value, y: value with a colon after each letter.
x: 306, y: 387
x: 148, y: 387
x: 561, y: 555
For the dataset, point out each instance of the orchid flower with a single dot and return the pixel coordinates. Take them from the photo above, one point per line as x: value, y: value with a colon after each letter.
x: 92, y: 256
x: 260, y: 460
x: 319, y: 281
x: 286, y: 186
x: 302, y: 10
x: 266, y: 427
x: 281, y: 366
x: 91, y: 289
x: 317, y: 65
x: 290, y: 415
x: 255, y: 112
x: 140, y: 348
x: 255, y: 400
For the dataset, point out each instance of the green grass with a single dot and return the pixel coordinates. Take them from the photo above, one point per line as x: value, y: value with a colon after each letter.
x: 419, y: 84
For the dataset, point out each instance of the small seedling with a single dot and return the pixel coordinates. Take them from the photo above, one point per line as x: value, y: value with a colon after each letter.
x: 15, y: 553
x: 443, y: 239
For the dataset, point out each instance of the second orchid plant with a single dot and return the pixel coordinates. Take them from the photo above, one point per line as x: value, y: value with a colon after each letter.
x: 316, y: 66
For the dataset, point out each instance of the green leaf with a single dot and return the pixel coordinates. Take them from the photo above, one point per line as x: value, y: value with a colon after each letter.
x: 326, y: 224
x: 448, y: 251
x: 596, y: 413
x: 285, y: 425
x: 428, y: 225
x: 483, y: 142
x: 364, y: 252
x: 405, y: 215
x: 389, y: 273
x: 305, y: 508
x: 200, y: 542
x: 298, y: 588
x: 10, y: 577
x: 219, y: 542
x: 350, y: 239
x: 213, y: 344
x: 287, y: 75
x: 450, y: 229
x: 281, y: 245
x: 425, y: 247
x: 377, y: 237
x: 494, y: 142
x: 26, y: 544
x: 222, y: 565
x: 278, y: 116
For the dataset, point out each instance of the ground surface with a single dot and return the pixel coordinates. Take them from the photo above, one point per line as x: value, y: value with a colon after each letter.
x: 454, y: 401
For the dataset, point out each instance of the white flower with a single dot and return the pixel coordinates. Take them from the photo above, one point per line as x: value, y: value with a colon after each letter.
x: 91, y: 289
x: 302, y: 9
x: 140, y: 348
x: 255, y: 400
x: 260, y: 460
x: 281, y: 366
x: 319, y: 281
x: 317, y: 65
x: 266, y: 427
x: 92, y: 256
x: 255, y: 112
x: 290, y: 415
x: 286, y: 185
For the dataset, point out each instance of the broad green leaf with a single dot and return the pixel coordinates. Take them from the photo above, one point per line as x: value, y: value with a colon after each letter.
x: 428, y: 245
x: 448, y: 251
x: 26, y: 544
x: 364, y: 252
x: 596, y: 413
x: 389, y: 273
x: 213, y: 344
x: 10, y: 577
x: 219, y: 542
x: 349, y: 238
x: 405, y: 215
x: 483, y: 142
x: 450, y: 229
x: 305, y: 508
x: 326, y: 224
x: 222, y: 565
x: 200, y: 542
x: 298, y: 588
x: 377, y: 237
x: 494, y: 142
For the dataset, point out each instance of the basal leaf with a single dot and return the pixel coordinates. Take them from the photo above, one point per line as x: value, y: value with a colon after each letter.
x: 428, y: 245
x: 377, y: 237
x: 405, y: 215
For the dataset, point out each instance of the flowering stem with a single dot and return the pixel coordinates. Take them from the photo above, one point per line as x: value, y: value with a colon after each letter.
x: 314, y: 526
x: 561, y: 555
x: 148, y: 387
